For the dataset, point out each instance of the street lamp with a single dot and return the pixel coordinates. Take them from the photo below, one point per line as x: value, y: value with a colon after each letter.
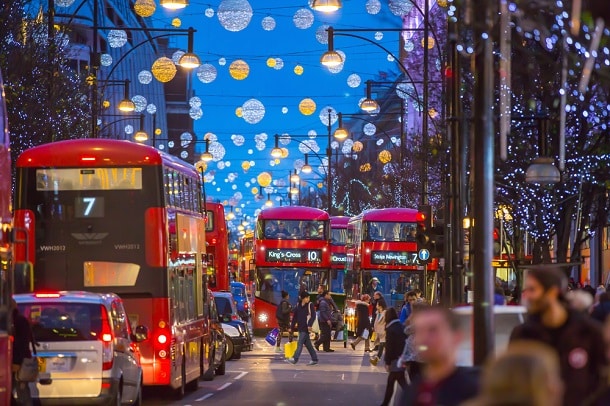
x: 294, y: 177
x: 306, y: 169
x: 542, y: 171
x: 331, y: 58
x: 174, y: 4
x: 126, y: 104
x: 369, y: 104
x: 269, y: 202
x: 189, y: 60
x: 326, y: 6
x: 141, y: 135
x: 341, y: 133
x: 276, y: 152
x: 207, y: 155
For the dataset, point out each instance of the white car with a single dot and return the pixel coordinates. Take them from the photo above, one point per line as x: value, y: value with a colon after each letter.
x: 87, y: 352
x: 505, y: 319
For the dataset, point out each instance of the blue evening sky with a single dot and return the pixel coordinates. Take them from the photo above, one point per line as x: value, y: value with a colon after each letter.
x: 279, y: 90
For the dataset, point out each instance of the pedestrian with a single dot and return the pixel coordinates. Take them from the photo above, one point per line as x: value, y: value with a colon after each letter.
x: 363, y: 324
x: 303, y: 318
x: 499, y: 298
x: 602, y: 398
x: 282, y: 314
x: 410, y: 356
x: 437, y: 334
x: 395, y: 341
x: 527, y: 374
x: 376, y: 298
x: 576, y: 338
x: 325, y: 322
x: 405, y: 312
x: 601, y: 310
x: 579, y: 300
x: 379, y: 326
x: 23, y: 342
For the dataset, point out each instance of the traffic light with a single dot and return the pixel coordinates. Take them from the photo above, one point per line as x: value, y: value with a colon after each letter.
x: 497, y: 246
x: 424, y: 225
x: 437, y: 242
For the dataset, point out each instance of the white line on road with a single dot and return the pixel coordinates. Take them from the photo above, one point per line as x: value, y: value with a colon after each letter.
x: 204, y: 397
x: 225, y: 386
x: 241, y: 375
x: 343, y: 377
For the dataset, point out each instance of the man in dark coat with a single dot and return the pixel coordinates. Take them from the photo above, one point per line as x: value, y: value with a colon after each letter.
x: 325, y: 322
x: 22, y: 344
x: 437, y: 334
x: 282, y: 315
x: 363, y: 323
x: 394, y: 344
x: 577, y: 338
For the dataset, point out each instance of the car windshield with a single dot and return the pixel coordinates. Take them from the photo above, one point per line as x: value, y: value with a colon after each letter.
x: 237, y: 291
x: 64, y: 321
x: 223, y: 304
x: 338, y: 236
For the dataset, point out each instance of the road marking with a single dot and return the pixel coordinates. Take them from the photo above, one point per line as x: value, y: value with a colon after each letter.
x: 241, y: 375
x: 343, y: 377
x: 225, y: 386
x: 204, y: 397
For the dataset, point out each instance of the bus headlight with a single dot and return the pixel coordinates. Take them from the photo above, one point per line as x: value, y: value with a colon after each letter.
x: 350, y: 311
x: 263, y: 317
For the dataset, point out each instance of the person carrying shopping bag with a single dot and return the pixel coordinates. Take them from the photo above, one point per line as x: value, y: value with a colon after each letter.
x: 395, y: 341
x: 379, y: 328
x: 363, y: 326
x: 303, y: 318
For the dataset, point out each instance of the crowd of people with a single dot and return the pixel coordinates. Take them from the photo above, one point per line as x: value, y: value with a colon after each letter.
x: 560, y: 356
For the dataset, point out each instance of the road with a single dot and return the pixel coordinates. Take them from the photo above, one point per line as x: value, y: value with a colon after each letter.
x: 261, y: 377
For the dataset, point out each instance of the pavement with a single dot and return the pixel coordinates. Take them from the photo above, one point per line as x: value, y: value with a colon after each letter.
x: 261, y: 377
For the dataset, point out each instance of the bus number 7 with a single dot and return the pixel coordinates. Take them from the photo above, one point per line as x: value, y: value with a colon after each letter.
x: 90, y: 201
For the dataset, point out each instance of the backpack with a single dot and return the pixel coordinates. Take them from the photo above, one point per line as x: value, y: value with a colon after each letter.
x: 278, y: 312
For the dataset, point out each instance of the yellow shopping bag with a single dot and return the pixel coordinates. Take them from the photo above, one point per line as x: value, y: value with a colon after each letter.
x: 290, y: 348
x: 374, y: 337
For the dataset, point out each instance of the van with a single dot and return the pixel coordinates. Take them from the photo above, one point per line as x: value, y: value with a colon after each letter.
x: 87, y: 351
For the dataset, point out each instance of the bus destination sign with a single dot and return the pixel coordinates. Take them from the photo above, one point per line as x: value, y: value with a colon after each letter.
x: 337, y: 258
x: 293, y: 255
x: 394, y: 258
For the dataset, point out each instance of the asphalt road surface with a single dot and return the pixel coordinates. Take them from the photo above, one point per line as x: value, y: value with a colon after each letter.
x: 261, y: 377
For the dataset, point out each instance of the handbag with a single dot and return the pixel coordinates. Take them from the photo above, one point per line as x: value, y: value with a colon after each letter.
x: 365, y: 333
x: 271, y: 337
x: 28, y: 371
x: 290, y: 348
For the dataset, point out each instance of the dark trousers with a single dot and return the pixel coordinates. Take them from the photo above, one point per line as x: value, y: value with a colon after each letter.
x: 21, y: 391
x: 324, y: 337
x: 393, y: 376
x: 380, y: 351
x: 414, y: 368
x: 283, y: 328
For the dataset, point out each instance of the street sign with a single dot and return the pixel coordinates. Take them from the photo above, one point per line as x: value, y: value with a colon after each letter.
x: 424, y: 254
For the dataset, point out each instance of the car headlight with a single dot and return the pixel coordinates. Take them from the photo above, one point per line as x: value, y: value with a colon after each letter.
x: 230, y: 330
x: 263, y: 317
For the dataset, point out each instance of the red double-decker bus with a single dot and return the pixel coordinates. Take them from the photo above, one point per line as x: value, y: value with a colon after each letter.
x: 383, y: 255
x: 246, y: 260
x: 292, y: 253
x: 6, y: 271
x: 116, y: 216
x: 217, y: 246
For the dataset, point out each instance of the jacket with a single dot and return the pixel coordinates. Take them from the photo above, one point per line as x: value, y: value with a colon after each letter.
x: 325, y: 311
x: 362, y: 317
x: 303, y: 317
x: 409, y: 352
x: 405, y: 312
x: 395, y: 341
x: 460, y: 386
x: 580, y: 346
x: 379, y: 326
x: 283, y: 313
x: 23, y: 341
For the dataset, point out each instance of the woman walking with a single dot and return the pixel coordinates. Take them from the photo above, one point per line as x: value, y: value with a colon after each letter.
x: 379, y: 327
x: 363, y: 327
x: 409, y: 357
x: 395, y: 341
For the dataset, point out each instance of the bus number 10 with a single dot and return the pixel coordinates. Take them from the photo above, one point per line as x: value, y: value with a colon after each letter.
x: 313, y: 256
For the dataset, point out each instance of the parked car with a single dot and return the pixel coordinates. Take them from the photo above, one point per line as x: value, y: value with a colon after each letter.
x: 227, y: 312
x: 238, y: 290
x: 505, y: 319
x: 88, y: 353
x: 219, y: 340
